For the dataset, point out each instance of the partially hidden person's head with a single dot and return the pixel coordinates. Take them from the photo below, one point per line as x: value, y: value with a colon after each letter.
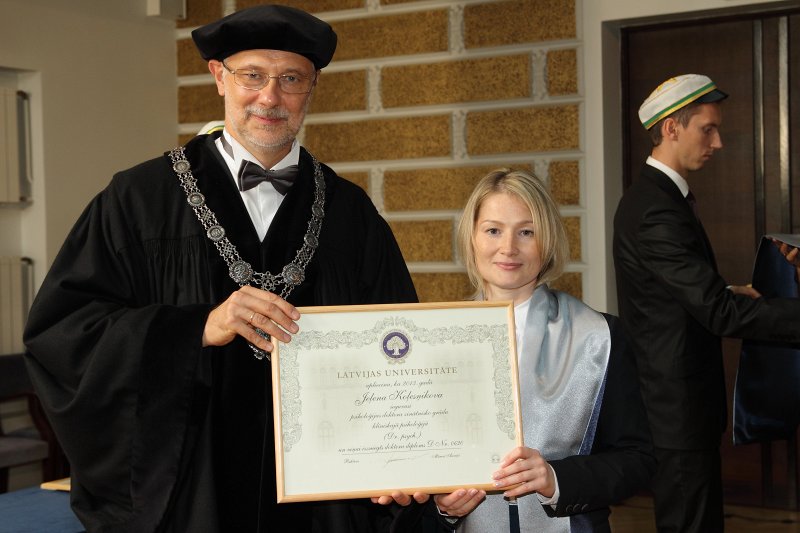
x: 684, y: 113
x: 511, y: 236
x: 266, y: 61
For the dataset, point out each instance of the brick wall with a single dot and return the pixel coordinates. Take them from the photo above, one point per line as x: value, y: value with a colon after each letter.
x: 421, y: 100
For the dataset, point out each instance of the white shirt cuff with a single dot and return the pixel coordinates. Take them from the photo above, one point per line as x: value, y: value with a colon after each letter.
x: 553, y: 500
x: 451, y: 519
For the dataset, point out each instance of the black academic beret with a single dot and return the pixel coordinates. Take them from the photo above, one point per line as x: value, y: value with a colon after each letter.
x: 268, y: 27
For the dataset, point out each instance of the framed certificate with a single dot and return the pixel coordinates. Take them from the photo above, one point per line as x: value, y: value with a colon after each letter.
x: 376, y: 398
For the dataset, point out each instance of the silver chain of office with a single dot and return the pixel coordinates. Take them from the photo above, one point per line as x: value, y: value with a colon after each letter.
x: 239, y: 270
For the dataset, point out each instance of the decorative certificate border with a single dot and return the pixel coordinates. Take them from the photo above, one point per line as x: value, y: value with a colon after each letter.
x: 375, y: 398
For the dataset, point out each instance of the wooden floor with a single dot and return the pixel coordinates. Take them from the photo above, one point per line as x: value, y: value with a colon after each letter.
x: 636, y: 516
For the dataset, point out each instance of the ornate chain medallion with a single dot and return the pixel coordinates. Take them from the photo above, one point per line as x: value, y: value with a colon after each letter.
x: 240, y: 271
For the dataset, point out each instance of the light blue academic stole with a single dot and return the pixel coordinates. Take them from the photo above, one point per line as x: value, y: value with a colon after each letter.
x: 562, y: 376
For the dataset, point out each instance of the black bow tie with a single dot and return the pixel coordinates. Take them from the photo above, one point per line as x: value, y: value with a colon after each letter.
x: 251, y: 174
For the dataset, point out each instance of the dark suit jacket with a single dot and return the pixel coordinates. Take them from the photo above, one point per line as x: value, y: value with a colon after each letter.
x: 621, y: 461
x: 675, y: 307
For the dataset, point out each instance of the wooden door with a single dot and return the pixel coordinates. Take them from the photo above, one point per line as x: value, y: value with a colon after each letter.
x: 750, y: 186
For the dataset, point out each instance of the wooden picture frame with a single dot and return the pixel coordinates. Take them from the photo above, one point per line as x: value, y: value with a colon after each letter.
x: 370, y: 399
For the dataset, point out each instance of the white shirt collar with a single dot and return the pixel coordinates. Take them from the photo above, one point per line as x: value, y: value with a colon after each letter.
x: 679, y: 180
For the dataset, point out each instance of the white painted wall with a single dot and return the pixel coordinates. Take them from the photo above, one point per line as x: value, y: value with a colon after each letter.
x: 603, y: 191
x: 102, y: 78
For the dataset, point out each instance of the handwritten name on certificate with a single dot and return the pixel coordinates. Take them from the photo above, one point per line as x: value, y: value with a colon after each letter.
x: 413, y: 397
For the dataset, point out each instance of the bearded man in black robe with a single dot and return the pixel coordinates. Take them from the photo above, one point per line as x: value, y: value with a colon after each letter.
x: 149, y: 339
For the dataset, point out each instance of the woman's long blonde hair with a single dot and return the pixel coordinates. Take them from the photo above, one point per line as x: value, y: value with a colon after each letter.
x: 551, y: 237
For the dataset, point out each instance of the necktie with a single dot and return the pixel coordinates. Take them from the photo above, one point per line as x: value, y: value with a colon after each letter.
x: 693, y: 203
x: 251, y: 174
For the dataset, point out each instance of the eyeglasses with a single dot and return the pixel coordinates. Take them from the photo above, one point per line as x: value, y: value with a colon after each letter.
x: 254, y: 80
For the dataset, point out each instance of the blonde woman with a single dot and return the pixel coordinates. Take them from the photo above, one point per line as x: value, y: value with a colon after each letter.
x: 587, y: 442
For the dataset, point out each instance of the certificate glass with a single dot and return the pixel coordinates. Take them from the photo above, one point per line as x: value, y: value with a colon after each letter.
x: 413, y: 397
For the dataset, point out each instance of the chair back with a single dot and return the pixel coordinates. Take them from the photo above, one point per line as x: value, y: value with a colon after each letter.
x: 14, y: 380
x: 30, y: 444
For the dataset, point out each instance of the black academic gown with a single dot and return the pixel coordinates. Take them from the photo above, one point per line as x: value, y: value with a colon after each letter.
x: 161, y: 433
